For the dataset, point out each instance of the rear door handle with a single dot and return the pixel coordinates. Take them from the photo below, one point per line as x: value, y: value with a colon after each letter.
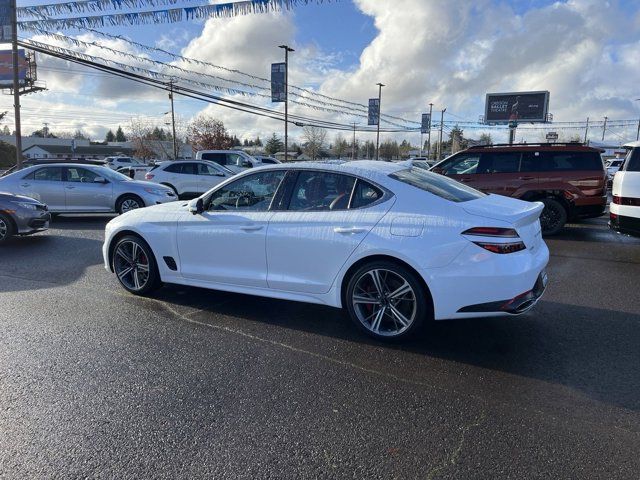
x: 526, y: 178
x: 25, y: 185
x: 349, y: 230
x: 70, y: 187
x: 250, y: 228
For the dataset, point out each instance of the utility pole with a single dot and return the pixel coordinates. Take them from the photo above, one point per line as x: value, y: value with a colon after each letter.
x: 429, y: 132
x: 45, y: 129
x: 173, y: 122
x: 604, y: 128
x: 287, y: 49
x: 353, y: 145
x: 638, y: 132
x: 441, y: 125
x: 586, y: 131
x: 380, y: 85
x: 16, y: 83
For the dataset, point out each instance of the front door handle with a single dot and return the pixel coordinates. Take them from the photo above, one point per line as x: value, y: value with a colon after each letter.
x: 349, y: 230
x: 464, y: 180
x: 251, y: 228
x: 69, y: 187
x: 25, y: 185
x: 526, y: 178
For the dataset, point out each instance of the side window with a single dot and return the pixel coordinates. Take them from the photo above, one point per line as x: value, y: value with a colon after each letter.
x: 462, y: 165
x: 49, y: 174
x: 174, y: 168
x: 219, y: 158
x: 251, y: 193
x: 321, y: 191
x: 567, y: 161
x: 189, y: 168
x: 81, y: 175
x: 632, y: 161
x: 364, y: 194
x: 499, y: 162
x: 204, y: 169
x: 234, y: 159
x: 530, y: 161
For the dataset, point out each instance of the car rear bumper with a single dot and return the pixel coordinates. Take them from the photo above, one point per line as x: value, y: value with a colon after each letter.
x: 623, y: 223
x: 484, y: 284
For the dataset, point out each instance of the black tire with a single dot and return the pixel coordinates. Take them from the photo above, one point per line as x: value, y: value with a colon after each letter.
x: 7, y: 229
x: 553, y: 216
x: 415, y: 307
x: 127, y: 202
x: 129, y: 270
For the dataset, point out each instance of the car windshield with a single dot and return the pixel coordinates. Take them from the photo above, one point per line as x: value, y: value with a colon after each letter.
x: 437, y: 184
x: 217, y: 166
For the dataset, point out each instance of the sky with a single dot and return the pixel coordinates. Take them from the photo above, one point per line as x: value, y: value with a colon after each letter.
x: 449, y: 53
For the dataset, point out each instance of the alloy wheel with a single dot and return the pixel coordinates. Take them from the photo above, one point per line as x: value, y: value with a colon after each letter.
x: 4, y: 229
x: 384, y: 302
x: 129, y: 204
x: 131, y: 265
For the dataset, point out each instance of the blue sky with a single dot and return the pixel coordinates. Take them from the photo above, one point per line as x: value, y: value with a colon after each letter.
x: 449, y: 53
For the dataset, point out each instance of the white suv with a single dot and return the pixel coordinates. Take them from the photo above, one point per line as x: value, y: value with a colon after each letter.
x: 625, y: 207
x: 235, y: 160
x: 115, y: 163
x: 188, y: 178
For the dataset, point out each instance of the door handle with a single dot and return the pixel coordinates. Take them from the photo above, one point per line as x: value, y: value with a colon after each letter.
x: 69, y: 187
x: 349, y: 230
x: 25, y: 185
x: 526, y: 178
x: 250, y: 228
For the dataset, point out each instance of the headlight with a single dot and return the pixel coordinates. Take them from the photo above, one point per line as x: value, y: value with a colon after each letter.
x: 28, y: 206
x: 155, y: 191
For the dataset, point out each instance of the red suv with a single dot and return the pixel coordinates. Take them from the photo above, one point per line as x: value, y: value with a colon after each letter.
x: 570, y: 179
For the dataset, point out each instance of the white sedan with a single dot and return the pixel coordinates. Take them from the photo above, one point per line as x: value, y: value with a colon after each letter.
x: 189, y: 178
x: 394, y: 246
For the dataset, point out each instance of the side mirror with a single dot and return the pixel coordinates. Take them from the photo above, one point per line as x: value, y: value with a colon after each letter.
x: 196, y: 206
x: 247, y: 164
x: 99, y: 180
x: 437, y: 170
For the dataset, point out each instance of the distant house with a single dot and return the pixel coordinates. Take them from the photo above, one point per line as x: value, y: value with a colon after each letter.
x: 81, y: 151
x: 292, y: 156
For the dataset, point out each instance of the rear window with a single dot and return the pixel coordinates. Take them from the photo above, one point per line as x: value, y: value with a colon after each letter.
x: 438, y: 185
x: 632, y: 161
x: 571, y: 161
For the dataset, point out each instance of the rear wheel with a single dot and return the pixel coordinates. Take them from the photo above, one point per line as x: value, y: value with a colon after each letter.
x: 386, y: 300
x: 135, y: 266
x: 128, y: 203
x: 553, y: 216
x: 7, y: 229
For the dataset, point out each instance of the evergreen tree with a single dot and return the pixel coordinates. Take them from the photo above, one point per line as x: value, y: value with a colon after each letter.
x: 274, y: 145
x: 120, y: 136
x: 110, y: 136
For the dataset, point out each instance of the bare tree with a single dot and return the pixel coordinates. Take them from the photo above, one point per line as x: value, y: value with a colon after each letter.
x: 340, y: 146
x: 314, y: 139
x: 207, y: 133
x: 140, y: 137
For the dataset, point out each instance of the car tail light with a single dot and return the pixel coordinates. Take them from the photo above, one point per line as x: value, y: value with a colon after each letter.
x: 492, y: 232
x: 616, y: 199
x: 613, y: 216
x: 497, y: 232
x: 502, y: 248
x: 149, y: 176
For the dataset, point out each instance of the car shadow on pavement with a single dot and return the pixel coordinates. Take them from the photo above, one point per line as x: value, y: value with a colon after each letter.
x: 594, y: 351
x: 81, y: 222
x: 45, y: 259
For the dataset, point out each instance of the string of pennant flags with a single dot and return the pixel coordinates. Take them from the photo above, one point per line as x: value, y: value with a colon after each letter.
x: 149, y: 17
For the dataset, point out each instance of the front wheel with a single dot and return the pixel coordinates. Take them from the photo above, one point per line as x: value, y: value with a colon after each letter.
x: 135, y: 266
x: 386, y: 300
x: 6, y: 228
x: 128, y: 203
x: 553, y: 216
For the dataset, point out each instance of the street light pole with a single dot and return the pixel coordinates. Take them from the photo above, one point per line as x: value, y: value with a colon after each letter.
x: 353, y: 145
x: 173, y: 122
x: 16, y: 83
x: 380, y: 85
x: 287, y: 49
x: 429, y: 132
x: 638, y: 131
x: 604, y: 127
x: 441, y: 125
x: 586, y: 131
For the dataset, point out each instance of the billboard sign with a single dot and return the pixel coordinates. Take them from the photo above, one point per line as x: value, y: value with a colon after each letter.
x: 426, y: 123
x: 6, y: 14
x: 374, y: 111
x: 278, y: 74
x: 6, y: 68
x: 514, y: 107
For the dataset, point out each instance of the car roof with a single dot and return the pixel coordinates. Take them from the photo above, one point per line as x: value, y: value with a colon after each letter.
x: 525, y: 147
x: 632, y: 145
x: 375, y: 170
x: 65, y: 164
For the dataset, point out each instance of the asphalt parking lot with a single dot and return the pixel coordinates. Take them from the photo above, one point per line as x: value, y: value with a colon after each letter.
x: 95, y: 382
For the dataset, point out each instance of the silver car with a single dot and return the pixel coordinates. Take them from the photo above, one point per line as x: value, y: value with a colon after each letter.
x: 76, y: 188
x: 21, y: 216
